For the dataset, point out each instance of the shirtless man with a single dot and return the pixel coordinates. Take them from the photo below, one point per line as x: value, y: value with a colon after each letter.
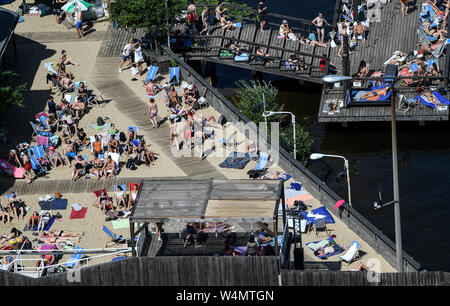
x: 172, y: 96
x: 319, y: 22
x: 219, y: 10
x: 359, y: 30
x: 67, y: 83
x: 151, y: 88
x: 109, y: 167
x: 224, y: 23
x: 431, y: 98
x: 376, y: 92
x: 153, y: 112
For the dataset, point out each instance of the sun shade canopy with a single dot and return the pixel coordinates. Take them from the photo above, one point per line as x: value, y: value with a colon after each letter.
x: 207, y: 200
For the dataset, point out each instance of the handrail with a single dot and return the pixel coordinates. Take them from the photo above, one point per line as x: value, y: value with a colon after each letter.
x: 315, y: 185
x: 255, y: 44
x: 254, y: 11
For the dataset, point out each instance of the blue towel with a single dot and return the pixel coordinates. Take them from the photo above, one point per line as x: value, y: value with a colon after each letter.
x: 235, y: 160
x: 339, y: 249
x: 263, y: 158
x: 49, y: 225
x: 318, y: 211
x: 441, y: 98
x: 74, y: 260
x: 241, y: 58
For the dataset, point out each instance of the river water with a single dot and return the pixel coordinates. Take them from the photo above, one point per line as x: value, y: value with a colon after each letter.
x: 424, y: 156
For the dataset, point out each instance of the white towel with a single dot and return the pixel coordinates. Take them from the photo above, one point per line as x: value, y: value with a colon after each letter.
x: 315, y: 216
x: 77, y: 207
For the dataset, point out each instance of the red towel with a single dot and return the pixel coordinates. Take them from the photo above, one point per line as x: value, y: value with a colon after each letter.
x: 78, y: 214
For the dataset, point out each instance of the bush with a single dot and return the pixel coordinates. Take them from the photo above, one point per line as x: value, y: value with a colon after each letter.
x: 249, y: 99
x: 11, y: 93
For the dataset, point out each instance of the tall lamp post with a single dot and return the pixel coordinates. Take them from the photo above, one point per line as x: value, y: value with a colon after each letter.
x: 168, y: 28
x: 268, y: 114
x: 315, y: 156
x: 398, y: 228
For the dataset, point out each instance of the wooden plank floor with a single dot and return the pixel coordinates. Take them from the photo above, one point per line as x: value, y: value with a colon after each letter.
x: 134, y: 108
x: 392, y: 33
x: 251, y: 33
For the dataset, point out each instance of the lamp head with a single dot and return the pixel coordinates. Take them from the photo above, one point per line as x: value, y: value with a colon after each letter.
x: 315, y: 156
x: 335, y: 78
x: 267, y: 114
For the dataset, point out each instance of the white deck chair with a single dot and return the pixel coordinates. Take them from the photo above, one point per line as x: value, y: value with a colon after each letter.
x: 352, y: 253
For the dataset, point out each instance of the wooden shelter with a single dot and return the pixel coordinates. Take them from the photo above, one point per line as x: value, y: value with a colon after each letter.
x: 207, y: 200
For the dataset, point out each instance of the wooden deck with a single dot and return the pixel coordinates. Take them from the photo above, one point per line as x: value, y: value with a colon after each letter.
x: 392, y: 33
x: 248, y: 34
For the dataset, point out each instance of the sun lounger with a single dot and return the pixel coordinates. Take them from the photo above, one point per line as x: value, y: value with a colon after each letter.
x: 50, y: 68
x: 352, y: 253
x: 73, y: 262
x: 151, y: 75
x: 36, y: 166
x: 405, y: 73
x: 41, y: 133
x: 114, y: 238
x: 235, y: 160
x: 98, y: 193
x: 263, y: 158
x: 440, y: 98
x: 314, y: 246
x: 174, y: 75
x: 243, y: 57
x: 413, y: 67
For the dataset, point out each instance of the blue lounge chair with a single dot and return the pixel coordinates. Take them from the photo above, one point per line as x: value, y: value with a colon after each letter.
x: 40, y: 133
x: 441, y: 98
x: 413, y: 67
x: 431, y: 62
x: 263, y: 158
x: 113, y: 236
x: 151, y: 75
x: 50, y: 68
x: 174, y: 75
x: 347, y: 18
x: 73, y: 262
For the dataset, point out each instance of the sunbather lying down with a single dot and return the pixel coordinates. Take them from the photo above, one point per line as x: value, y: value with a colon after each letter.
x: 431, y: 98
x: 329, y: 249
x: 375, y: 93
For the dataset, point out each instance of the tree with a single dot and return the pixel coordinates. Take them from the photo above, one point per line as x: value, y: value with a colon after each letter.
x: 249, y: 99
x: 150, y: 14
x: 11, y: 92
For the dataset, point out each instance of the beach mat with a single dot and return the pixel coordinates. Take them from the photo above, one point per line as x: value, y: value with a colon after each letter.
x: 80, y: 214
x: 57, y: 204
x: 122, y: 223
x: 49, y: 225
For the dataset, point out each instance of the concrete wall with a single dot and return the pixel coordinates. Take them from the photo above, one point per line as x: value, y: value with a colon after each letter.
x: 368, y: 232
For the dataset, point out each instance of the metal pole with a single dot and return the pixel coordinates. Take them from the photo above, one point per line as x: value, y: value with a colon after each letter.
x: 295, y: 142
x: 168, y: 29
x: 265, y: 117
x: 398, y: 230
x: 348, y: 183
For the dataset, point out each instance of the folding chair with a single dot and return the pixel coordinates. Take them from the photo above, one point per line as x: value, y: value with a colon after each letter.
x: 352, y: 253
x: 115, y: 239
x: 174, y: 75
x: 263, y: 158
x: 75, y: 260
x: 320, y: 225
x: 151, y: 75
x: 98, y: 194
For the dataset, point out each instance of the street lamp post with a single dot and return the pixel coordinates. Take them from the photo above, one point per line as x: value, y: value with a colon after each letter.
x: 320, y: 155
x: 398, y: 230
x: 168, y: 28
x: 268, y: 114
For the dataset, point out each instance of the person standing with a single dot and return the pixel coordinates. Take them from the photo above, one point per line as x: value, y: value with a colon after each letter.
x: 153, y: 112
x: 405, y: 6
x: 319, y: 23
x: 138, y: 56
x: 262, y: 11
x: 205, y: 18
x: 79, y: 21
x: 126, y: 55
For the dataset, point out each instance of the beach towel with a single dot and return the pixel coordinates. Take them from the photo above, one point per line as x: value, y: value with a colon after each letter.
x: 317, y: 214
x: 11, y: 169
x: 80, y: 214
x: 46, y: 228
x: 122, y: 223
x: 241, y: 57
x: 42, y: 140
x: 303, y: 196
x: 75, y: 257
x: 357, y: 95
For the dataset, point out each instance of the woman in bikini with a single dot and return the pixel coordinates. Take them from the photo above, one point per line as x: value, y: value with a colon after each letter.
x: 79, y: 166
x: 376, y: 92
x: 55, y: 157
x: 133, y: 195
x: 285, y: 29
x: 224, y: 23
x: 97, y: 166
x: 307, y: 41
x: 145, y: 154
x: 45, y: 220
x: 153, y: 112
x: 82, y: 92
x: 173, y: 134
x: 64, y: 60
x: 120, y: 197
x: 187, y: 133
x: 105, y: 203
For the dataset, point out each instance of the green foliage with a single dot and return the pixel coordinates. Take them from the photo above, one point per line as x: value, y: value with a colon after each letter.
x: 173, y: 62
x: 150, y: 14
x: 250, y: 94
x: 233, y: 13
x: 11, y: 93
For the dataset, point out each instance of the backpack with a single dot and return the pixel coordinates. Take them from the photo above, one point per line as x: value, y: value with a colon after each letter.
x: 222, y: 120
x: 100, y: 121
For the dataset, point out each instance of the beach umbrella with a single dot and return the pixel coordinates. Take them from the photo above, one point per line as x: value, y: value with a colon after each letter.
x: 70, y: 7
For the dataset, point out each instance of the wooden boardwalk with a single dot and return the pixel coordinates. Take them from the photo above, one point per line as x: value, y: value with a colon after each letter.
x: 136, y: 110
x: 392, y: 33
x: 250, y: 36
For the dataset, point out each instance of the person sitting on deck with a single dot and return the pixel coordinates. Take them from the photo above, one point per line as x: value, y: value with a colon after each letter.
x: 189, y: 95
x: 285, y: 29
x: 152, y: 89
x: 96, y: 166
x: 109, y: 168
x: 67, y: 82
x: 17, y: 205
x: 172, y: 96
x: 113, y: 144
x: 82, y: 92
x: 105, y: 203
x: 431, y: 98
x: 298, y: 62
x: 191, y: 231
x: 377, y: 92
x: 263, y: 236
x: 144, y: 154
x: 224, y: 23
x: 55, y: 157
x: 434, y: 70
x: 363, y: 69
x: 66, y: 61
x: 359, y: 30
x: 234, y: 47
x: 78, y: 107
x: 261, y: 55
x: 80, y: 164
x: 252, y: 246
